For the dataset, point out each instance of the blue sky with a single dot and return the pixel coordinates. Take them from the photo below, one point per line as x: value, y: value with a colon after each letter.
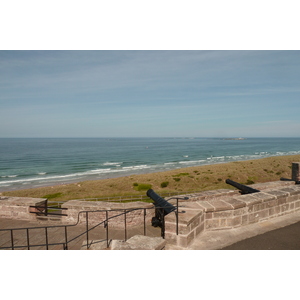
x: 149, y: 93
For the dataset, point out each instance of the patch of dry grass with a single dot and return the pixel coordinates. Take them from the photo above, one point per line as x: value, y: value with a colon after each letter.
x: 183, y: 180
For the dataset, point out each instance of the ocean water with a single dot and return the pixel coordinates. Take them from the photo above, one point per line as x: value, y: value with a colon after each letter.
x: 27, y: 163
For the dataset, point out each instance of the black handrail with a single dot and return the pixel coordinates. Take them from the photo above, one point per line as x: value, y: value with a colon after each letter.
x: 46, y: 209
x: 66, y: 242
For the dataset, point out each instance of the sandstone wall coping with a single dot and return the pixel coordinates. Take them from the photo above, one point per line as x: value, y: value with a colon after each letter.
x: 272, y: 185
x: 205, y: 195
x: 240, y: 201
x: 292, y: 190
x: 22, y: 201
x: 102, y: 205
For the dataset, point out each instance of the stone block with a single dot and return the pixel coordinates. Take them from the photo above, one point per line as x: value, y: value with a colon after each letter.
x: 249, y: 199
x: 240, y: 211
x: 235, y: 221
x: 223, y: 214
x: 251, y: 208
x: 245, y: 220
x: 253, y: 217
x: 271, y: 203
x: 185, y: 240
x: 95, y: 245
x: 257, y: 207
x: 206, y: 206
x: 139, y: 242
x: 195, y: 223
x: 278, y: 193
x: 292, y: 190
x: 211, y: 224
x: 171, y: 238
x: 209, y: 215
x: 171, y: 226
x: 293, y: 198
x: 199, y: 229
x: 119, y: 245
x: 263, y: 214
x: 272, y: 212
x: 282, y: 200
x: 264, y: 196
x: 223, y: 223
x: 220, y: 205
x: 188, y: 217
x: 235, y: 203
x: 188, y: 206
x: 284, y: 208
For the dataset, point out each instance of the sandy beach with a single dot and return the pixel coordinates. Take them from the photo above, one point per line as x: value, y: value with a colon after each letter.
x: 183, y: 180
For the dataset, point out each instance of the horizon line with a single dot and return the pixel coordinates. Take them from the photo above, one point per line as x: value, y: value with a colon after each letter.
x: 154, y: 137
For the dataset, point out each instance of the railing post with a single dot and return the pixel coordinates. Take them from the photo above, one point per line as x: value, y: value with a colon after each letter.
x: 296, y: 172
x: 162, y: 213
x: 177, y: 216
x: 106, y: 222
x: 87, y: 230
x: 66, y: 238
x: 12, y: 239
x: 144, y: 221
x: 125, y: 225
x: 46, y: 208
x: 46, y: 232
x: 28, y: 244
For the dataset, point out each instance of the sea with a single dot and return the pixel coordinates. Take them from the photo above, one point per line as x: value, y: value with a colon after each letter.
x: 36, y: 162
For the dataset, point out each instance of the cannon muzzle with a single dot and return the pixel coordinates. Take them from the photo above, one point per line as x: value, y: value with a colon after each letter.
x: 160, y: 202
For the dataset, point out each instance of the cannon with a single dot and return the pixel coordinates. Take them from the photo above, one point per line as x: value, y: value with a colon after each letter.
x: 162, y: 208
x: 244, y: 189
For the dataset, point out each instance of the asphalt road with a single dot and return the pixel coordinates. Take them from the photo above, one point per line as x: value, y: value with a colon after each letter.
x: 286, y: 238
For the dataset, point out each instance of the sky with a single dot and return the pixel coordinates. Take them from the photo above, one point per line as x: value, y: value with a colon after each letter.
x: 149, y: 93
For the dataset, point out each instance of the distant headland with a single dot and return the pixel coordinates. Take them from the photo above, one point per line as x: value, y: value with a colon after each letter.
x: 234, y: 139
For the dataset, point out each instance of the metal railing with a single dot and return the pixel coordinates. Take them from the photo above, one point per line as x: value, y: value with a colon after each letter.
x: 66, y: 241
x: 46, y: 210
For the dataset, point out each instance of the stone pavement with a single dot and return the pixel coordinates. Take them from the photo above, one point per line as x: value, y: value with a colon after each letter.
x: 57, y: 235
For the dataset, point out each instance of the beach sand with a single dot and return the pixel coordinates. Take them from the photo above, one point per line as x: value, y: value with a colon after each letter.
x: 182, y: 180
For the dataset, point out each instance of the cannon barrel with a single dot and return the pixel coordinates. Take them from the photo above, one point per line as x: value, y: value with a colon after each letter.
x: 160, y: 202
x: 244, y: 189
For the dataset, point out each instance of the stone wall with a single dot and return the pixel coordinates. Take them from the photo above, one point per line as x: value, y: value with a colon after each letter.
x: 19, y: 207
x: 133, y: 218
x: 209, y: 210
x: 225, y: 212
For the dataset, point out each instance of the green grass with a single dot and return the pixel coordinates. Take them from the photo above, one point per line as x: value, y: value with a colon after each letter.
x: 52, y: 196
x: 181, y: 174
x: 204, y: 178
x: 164, y: 184
x: 142, y: 186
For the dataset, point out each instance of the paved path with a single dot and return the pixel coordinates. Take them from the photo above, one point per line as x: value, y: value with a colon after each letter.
x: 286, y: 238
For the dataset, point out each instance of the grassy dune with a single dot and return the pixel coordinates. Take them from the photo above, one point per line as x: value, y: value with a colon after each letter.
x: 179, y: 180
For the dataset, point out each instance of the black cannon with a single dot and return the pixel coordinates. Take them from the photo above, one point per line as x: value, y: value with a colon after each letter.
x: 162, y: 208
x: 244, y: 189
